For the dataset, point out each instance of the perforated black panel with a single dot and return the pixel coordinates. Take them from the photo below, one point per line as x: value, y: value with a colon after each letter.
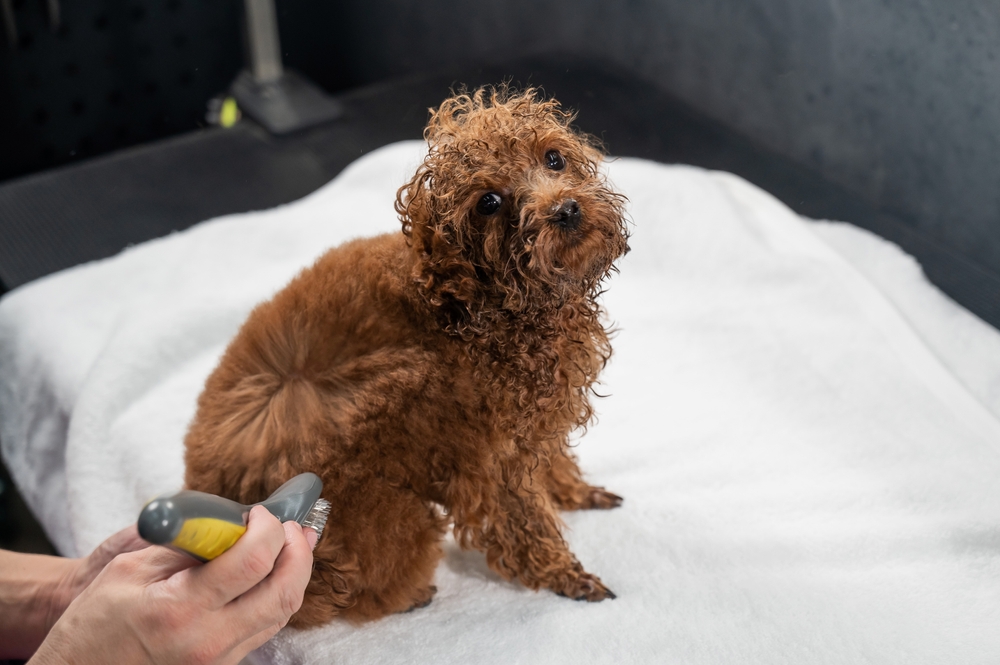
x: 115, y: 73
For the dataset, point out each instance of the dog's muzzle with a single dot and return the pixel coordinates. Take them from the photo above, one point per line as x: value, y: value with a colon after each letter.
x: 567, y: 216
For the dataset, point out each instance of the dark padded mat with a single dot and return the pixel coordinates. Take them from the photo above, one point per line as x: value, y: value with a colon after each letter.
x: 94, y: 209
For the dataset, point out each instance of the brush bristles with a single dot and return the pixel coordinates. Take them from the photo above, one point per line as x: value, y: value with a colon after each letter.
x: 316, y: 518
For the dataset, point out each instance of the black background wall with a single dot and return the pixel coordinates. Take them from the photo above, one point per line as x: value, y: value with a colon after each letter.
x: 113, y: 74
x: 898, y: 101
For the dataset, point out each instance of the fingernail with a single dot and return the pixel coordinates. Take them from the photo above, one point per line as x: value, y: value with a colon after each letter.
x: 311, y: 537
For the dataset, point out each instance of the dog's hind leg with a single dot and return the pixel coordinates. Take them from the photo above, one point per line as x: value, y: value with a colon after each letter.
x: 567, y: 488
x: 377, y: 556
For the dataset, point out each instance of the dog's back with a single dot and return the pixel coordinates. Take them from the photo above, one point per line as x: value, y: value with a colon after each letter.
x: 289, y: 382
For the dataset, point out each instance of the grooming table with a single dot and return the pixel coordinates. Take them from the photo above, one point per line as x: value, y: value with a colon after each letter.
x: 805, y: 431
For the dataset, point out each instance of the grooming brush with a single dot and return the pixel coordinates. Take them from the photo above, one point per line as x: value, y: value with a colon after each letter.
x: 204, y: 525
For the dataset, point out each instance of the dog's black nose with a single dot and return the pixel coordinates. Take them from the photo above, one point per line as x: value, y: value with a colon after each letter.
x: 568, y: 215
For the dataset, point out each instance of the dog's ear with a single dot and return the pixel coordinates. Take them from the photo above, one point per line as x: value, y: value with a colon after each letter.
x: 443, y: 271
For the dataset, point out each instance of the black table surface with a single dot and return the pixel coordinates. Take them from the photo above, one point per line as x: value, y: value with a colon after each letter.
x: 94, y: 209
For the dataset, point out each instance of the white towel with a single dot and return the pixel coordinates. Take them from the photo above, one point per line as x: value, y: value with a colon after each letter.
x: 808, y: 446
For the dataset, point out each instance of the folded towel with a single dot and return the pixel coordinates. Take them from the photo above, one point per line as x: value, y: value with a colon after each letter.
x: 808, y: 445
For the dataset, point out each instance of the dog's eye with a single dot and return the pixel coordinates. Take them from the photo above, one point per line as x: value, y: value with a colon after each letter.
x: 489, y: 204
x: 554, y: 160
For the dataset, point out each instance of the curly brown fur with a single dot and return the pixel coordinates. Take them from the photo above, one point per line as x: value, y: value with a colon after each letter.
x: 432, y: 378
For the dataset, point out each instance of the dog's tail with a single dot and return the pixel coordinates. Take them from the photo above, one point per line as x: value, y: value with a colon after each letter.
x: 249, y: 439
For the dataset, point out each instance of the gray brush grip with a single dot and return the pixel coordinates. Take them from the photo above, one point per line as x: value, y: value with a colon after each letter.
x: 162, y: 518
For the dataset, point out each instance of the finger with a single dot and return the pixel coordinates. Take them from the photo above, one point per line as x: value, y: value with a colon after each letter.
x: 277, y: 598
x: 311, y: 537
x: 148, y: 565
x: 126, y: 540
x: 244, y: 565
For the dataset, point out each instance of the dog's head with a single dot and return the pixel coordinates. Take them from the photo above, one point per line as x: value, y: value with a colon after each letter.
x: 509, y: 207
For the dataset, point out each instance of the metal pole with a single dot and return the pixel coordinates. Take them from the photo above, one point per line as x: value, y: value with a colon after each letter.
x: 55, y: 16
x: 282, y: 101
x: 10, y: 27
x: 262, y: 36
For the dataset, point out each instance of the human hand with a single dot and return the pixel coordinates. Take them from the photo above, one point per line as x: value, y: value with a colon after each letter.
x: 160, y: 606
x: 79, y: 573
x: 36, y: 589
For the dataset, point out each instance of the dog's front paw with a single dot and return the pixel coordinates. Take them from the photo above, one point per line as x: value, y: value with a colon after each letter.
x: 601, y: 499
x: 585, y: 586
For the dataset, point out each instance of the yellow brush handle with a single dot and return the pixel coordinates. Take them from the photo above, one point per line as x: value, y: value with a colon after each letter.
x: 207, y: 537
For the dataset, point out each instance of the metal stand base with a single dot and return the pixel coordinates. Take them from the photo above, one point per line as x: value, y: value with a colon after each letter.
x: 286, y: 104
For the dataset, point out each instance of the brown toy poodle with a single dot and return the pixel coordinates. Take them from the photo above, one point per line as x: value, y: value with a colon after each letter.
x: 432, y: 377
